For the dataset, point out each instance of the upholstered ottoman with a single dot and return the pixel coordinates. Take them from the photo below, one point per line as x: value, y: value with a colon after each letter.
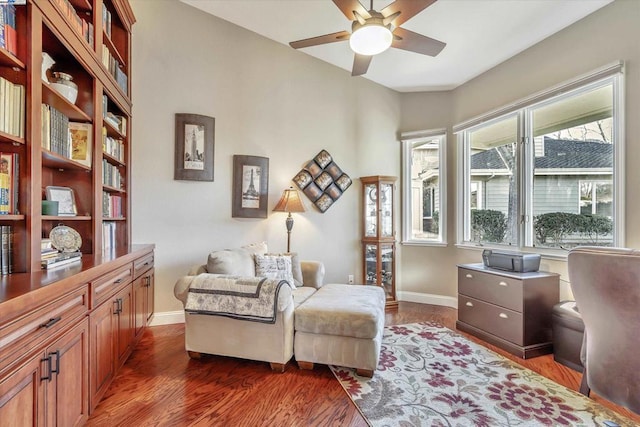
x: 340, y: 325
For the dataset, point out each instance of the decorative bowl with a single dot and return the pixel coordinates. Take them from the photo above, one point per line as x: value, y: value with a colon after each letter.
x: 63, y: 84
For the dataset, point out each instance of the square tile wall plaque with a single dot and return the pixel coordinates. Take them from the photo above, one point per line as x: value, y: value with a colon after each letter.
x: 322, y: 181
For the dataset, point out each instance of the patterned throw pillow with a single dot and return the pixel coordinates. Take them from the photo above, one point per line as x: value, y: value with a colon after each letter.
x: 274, y: 267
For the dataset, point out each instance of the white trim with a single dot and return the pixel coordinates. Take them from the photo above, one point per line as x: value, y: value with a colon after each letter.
x: 419, y: 135
x: 618, y: 160
x: 167, y: 318
x: 424, y: 243
x: 432, y: 299
x: 583, y: 80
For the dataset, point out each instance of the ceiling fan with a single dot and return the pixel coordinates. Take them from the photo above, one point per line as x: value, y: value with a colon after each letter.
x: 374, y: 32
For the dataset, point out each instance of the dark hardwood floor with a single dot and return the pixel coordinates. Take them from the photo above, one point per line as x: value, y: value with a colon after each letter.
x: 160, y: 386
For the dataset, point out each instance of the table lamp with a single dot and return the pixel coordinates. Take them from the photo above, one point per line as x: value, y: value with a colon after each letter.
x: 289, y: 202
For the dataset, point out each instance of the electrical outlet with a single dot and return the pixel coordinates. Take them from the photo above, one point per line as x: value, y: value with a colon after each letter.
x: 351, y: 279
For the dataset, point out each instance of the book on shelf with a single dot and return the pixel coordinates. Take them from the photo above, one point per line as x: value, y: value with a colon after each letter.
x: 80, y: 25
x: 106, y: 20
x: 9, y: 39
x: 12, y: 108
x: 112, y: 146
x: 62, y: 258
x: 111, y: 205
x: 55, y: 131
x: 81, y: 142
x: 111, y: 175
x: 6, y: 249
x: 9, y: 188
x: 108, y: 236
x: 115, y: 68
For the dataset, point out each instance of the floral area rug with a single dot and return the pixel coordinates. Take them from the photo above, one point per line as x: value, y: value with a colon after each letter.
x: 429, y: 375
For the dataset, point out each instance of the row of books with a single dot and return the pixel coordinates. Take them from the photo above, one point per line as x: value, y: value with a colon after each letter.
x: 6, y: 249
x: 9, y: 183
x: 112, y: 146
x: 55, y: 131
x: 108, y: 236
x: 106, y: 20
x: 118, y: 122
x: 111, y: 175
x: 12, y: 107
x: 8, y: 34
x: 80, y: 25
x: 115, y: 68
x: 111, y: 205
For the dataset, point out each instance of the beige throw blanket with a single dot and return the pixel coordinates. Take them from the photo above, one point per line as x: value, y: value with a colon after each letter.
x: 255, y: 299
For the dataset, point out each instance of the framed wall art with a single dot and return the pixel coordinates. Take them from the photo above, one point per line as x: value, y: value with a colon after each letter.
x: 250, y: 186
x: 194, y: 147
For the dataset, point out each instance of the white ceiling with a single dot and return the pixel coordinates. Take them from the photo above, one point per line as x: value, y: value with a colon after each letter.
x: 479, y: 34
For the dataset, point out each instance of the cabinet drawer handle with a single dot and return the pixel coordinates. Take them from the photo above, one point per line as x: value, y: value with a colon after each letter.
x: 115, y: 282
x: 503, y: 284
x: 469, y: 304
x: 51, y: 322
x: 503, y: 316
x: 469, y: 276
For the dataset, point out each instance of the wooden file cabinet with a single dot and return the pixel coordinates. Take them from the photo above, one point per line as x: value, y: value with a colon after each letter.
x: 507, y: 309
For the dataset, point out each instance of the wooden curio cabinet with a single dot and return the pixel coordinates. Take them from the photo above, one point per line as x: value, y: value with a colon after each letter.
x: 378, y: 234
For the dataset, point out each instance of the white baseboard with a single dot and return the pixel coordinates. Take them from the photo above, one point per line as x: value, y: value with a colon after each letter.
x: 428, y: 299
x: 167, y: 318
x: 172, y: 317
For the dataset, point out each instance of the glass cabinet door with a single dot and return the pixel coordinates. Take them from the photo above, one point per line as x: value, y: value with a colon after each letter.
x: 370, y: 210
x: 386, y: 210
x: 386, y: 268
x: 371, y: 264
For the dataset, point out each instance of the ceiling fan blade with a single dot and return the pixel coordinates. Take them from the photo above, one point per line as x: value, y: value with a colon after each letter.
x: 407, y: 8
x: 414, y: 42
x: 349, y: 6
x: 360, y: 64
x: 327, y: 38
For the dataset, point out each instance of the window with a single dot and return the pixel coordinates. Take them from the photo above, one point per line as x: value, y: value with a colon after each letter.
x: 547, y: 174
x: 423, y: 186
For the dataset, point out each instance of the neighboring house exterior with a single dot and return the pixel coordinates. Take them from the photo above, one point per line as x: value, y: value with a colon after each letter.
x: 566, y: 173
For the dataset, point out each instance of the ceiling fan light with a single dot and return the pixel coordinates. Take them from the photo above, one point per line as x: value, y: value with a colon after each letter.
x: 370, y: 39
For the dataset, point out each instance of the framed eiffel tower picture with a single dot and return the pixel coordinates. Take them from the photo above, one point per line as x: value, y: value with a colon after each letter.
x: 250, y: 186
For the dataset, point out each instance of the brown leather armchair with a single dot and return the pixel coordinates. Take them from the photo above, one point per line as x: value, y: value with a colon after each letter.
x: 606, y: 286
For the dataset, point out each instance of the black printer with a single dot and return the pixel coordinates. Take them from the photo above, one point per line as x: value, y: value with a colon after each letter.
x: 510, y: 260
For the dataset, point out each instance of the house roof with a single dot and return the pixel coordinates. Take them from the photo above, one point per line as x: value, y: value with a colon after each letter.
x: 558, y: 154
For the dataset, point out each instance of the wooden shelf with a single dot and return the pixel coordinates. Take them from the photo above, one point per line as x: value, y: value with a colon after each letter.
x: 81, y: 5
x: 12, y: 217
x: 112, y: 48
x: 6, y: 137
x: 112, y: 131
x: 53, y: 98
x: 111, y: 189
x: 115, y: 219
x: 8, y: 59
x: 56, y: 161
x: 65, y: 218
x: 113, y: 160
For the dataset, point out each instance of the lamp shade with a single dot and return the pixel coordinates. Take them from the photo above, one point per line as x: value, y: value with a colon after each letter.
x: 370, y: 39
x: 290, y: 202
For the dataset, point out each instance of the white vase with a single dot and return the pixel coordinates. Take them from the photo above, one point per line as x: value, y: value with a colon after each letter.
x: 47, y: 62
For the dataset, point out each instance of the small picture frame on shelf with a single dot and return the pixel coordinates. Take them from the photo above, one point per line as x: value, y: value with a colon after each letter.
x: 80, y: 135
x: 66, y: 199
x: 194, y: 147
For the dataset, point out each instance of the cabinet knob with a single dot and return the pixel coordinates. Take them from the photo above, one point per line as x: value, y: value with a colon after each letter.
x: 503, y: 284
x: 469, y: 304
x: 469, y: 276
x: 503, y: 316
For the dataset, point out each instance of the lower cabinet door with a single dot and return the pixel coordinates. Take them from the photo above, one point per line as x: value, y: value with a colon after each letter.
x: 67, y: 388
x: 22, y: 396
x: 102, y: 324
x: 124, y: 341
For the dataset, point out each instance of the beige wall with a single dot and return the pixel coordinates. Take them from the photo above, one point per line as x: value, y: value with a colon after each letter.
x: 272, y: 101
x: 268, y: 100
x: 608, y: 35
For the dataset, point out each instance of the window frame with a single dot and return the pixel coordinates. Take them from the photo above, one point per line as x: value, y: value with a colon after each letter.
x: 409, y: 141
x: 613, y: 75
